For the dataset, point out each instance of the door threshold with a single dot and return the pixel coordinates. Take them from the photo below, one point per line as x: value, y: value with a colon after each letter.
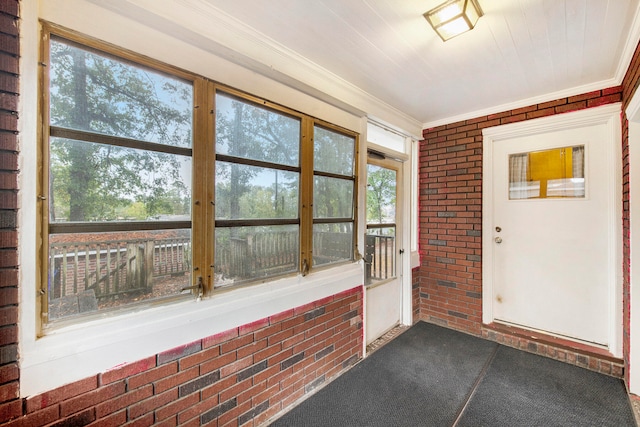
x: 386, y: 337
x: 588, y: 349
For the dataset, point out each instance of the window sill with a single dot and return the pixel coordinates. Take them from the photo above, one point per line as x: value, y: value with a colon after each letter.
x: 77, y: 351
x: 415, y: 259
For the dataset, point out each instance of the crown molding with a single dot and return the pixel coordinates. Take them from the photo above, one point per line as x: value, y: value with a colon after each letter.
x: 630, y: 47
x: 197, y: 21
x: 578, y: 90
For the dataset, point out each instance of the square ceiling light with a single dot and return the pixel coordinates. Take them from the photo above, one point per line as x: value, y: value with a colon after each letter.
x: 454, y: 17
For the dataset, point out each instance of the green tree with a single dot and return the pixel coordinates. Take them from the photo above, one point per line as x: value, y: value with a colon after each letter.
x: 247, y: 131
x: 381, y: 194
x: 95, y: 93
x: 333, y: 197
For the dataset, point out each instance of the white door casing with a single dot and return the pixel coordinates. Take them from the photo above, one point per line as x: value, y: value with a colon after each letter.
x: 585, y: 300
x: 633, y: 116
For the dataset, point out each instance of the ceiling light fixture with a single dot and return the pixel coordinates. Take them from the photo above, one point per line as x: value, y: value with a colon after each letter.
x: 454, y: 17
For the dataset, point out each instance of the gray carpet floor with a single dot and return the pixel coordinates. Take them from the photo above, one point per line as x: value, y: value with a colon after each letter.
x: 433, y: 376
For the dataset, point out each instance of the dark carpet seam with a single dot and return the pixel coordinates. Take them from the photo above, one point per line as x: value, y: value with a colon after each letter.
x: 481, y: 376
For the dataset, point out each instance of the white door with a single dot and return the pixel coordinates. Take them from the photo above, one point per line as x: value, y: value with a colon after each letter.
x: 382, y: 243
x: 552, y: 232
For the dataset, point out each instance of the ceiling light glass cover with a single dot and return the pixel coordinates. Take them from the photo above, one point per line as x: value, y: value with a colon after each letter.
x: 454, y: 17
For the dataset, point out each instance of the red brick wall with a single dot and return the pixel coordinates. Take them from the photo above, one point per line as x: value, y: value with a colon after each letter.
x: 242, y: 376
x: 10, y: 405
x: 451, y: 211
x: 629, y: 86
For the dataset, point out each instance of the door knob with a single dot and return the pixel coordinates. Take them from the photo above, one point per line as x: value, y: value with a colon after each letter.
x: 498, y: 240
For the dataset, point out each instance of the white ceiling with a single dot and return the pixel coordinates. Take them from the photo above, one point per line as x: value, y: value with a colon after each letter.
x: 521, y: 51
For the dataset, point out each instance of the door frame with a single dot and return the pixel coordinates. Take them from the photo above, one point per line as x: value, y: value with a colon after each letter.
x: 608, y: 115
x: 404, y: 218
x: 633, y: 116
x: 396, y: 165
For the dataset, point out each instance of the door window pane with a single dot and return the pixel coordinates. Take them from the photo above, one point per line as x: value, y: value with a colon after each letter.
x: 554, y: 173
x: 380, y: 254
x: 381, y: 195
x: 380, y: 240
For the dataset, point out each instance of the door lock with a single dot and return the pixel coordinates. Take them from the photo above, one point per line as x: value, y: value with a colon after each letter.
x: 498, y: 240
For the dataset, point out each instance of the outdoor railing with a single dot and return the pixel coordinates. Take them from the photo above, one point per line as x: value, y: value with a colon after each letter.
x: 111, y: 268
x: 379, y: 257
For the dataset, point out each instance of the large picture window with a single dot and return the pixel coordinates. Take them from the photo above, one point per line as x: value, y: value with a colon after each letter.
x: 160, y: 185
x: 119, y: 151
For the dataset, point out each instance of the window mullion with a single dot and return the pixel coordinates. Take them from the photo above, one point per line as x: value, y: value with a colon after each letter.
x: 306, y: 196
x: 208, y: 108
x: 43, y: 184
x: 80, y: 135
x: 203, y: 164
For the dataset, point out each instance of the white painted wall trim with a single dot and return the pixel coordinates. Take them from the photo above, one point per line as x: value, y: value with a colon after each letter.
x: 406, y: 309
x: 608, y: 115
x: 633, y: 116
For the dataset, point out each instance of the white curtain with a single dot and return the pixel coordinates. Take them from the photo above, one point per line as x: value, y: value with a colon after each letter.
x: 518, y: 164
x: 578, y: 172
x: 578, y: 162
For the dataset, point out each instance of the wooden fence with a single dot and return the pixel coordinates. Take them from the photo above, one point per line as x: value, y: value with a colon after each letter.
x: 271, y: 253
x: 112, y: 268
x: 258, y: 255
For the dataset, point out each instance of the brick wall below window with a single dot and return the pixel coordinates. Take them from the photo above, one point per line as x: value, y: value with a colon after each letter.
x: 242, y: 376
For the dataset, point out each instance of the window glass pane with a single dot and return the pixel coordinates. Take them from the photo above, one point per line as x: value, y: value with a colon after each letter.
x: 554, y: 173
x: 96, y: 182
x: 97, y: 93
x: 332, y: 243
x: 247, y: 253
x: 333, y: 152
x: 332, y: 198
x: 379, y: 254
x: 93, y: 272
x: 249, y: 192
x: 381, y: 195
x: 251, y: 132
